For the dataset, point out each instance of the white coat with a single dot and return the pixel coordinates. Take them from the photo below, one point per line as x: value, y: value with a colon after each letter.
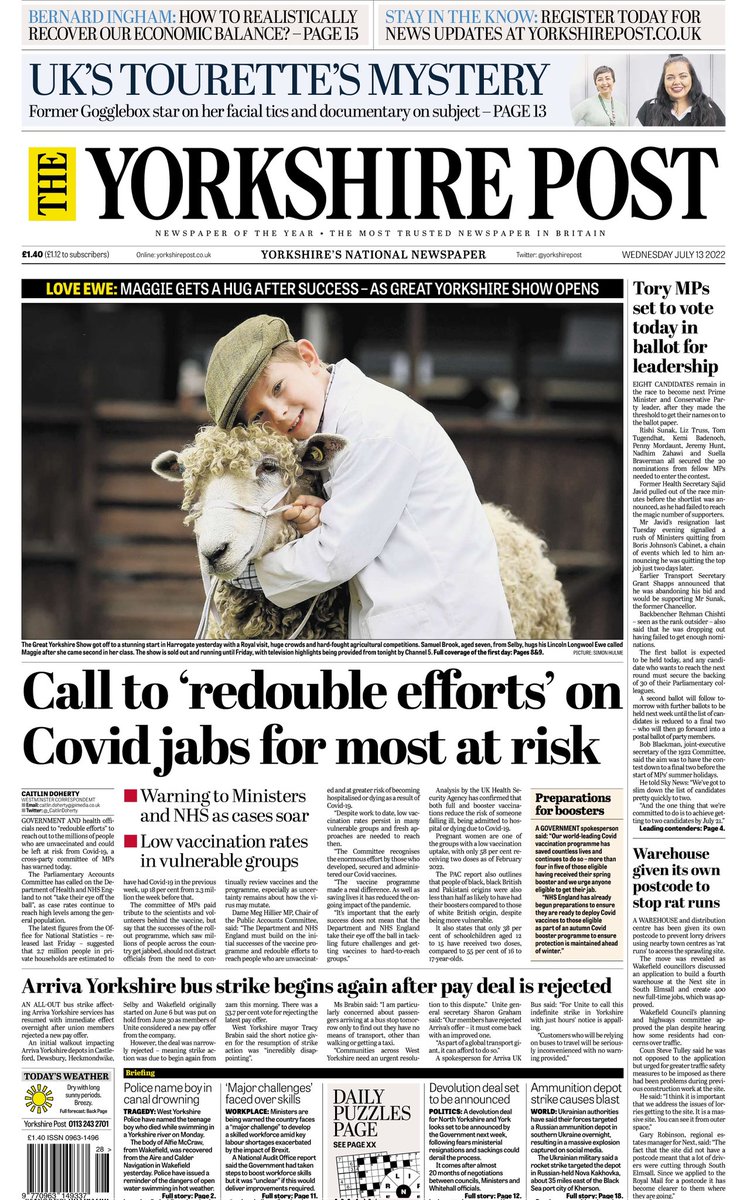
x: 402, y: 524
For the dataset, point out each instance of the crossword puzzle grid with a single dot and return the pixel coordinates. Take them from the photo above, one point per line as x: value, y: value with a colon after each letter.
x: 366, y: 1176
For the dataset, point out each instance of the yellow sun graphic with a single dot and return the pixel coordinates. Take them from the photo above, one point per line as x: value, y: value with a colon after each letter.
x: 39, y: 1099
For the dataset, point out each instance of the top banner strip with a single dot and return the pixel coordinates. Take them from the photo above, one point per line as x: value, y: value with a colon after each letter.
x: 301, y: 25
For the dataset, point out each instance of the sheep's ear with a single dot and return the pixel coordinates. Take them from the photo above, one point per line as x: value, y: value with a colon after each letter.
x: 168, y: 466
x: 319, y: 451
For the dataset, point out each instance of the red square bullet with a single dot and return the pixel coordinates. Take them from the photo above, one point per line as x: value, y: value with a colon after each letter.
x: 130, y: 840
x: 130, y: 795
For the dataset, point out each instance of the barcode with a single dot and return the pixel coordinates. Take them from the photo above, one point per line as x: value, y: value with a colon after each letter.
x: 65, y: 1167
x: 101, y: 1173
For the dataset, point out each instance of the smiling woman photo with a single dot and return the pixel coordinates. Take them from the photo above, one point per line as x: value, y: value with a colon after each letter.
x: 601, y: 109
x: 680, y: 99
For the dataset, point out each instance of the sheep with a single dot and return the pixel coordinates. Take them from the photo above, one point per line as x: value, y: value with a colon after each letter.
x: 251, y: 473
x: 534, y: 595
x: 225, y: 472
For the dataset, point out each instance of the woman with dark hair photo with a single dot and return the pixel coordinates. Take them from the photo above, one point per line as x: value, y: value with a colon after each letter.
x: 601, y: 109
x: 680, y: 99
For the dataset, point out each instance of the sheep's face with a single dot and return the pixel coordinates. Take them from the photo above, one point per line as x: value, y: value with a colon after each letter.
x: 235, y: 518
x: 235, y: 482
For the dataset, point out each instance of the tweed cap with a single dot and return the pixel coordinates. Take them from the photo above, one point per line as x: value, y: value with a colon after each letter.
x: 237, y: 362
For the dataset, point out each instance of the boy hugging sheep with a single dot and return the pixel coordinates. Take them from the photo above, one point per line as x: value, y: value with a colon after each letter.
x: 401, y: 524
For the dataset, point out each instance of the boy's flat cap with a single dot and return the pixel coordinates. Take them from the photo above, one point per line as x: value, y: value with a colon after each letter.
x: 237, y: 362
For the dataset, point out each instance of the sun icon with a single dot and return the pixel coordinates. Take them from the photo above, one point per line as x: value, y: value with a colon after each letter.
x: 39, y: 1099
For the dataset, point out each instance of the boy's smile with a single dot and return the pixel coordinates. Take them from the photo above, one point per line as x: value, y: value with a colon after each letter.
x: 289, y: 396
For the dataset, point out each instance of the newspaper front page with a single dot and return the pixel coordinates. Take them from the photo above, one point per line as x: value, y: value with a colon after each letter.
x: 373, y: 845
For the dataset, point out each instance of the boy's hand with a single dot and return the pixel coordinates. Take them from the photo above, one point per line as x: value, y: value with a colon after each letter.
x: 305, y: 512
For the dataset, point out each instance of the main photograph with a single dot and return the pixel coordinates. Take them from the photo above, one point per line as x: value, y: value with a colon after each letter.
x: 344, y: 470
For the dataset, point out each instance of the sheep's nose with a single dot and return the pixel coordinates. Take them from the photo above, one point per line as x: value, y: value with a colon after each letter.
x: 213, y: 556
